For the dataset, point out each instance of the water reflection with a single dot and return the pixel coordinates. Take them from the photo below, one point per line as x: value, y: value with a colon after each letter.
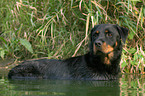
x: 132, y: 85
x: 127, y: 85
x: 67, y: 87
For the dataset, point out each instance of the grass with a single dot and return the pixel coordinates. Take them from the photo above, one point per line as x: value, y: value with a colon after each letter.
x: 35, y: 29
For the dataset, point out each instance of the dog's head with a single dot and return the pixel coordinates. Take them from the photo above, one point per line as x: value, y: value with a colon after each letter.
x: 106, y: 37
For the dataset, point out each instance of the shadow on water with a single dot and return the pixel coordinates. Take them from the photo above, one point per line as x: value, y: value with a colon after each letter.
x: 127, y: 85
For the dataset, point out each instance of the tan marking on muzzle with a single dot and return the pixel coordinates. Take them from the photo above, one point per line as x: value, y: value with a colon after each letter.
x: 106, y: 48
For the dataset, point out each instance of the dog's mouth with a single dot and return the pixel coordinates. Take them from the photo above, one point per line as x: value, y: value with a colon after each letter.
x: 103, y: 48
x: 105, y: 51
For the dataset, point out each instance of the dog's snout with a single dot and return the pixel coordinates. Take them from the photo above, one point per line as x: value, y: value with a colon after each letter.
x: 98, y: 43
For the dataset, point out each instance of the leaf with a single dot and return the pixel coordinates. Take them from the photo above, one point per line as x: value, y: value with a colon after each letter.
x: 131, y: 35
x: 136, y: 56
x: 2, y: 54
x: 26, y: 44
x: 132, y: 50
x: 123, y: 64
x: 1, y: 38
x: 132, y: 31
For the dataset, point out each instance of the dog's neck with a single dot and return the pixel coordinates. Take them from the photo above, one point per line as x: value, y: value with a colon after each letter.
x: 95, y: 62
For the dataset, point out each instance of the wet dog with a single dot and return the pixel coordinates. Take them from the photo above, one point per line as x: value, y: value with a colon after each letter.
x: 101, y: 63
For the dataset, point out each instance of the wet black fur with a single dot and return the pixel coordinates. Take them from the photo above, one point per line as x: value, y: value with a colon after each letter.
x: 86, y: 67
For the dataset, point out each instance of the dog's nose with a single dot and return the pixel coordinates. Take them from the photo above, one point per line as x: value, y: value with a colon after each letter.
x: 98, y: 43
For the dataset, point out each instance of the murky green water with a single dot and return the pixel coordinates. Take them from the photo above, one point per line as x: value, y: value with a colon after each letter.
x: 127, y: 85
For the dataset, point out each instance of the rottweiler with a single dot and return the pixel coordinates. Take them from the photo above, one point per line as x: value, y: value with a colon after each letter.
x: 100, y: 63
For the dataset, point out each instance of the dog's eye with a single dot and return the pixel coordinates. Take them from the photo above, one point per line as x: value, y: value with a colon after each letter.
x: 95, y: 34
x: 109, y: 34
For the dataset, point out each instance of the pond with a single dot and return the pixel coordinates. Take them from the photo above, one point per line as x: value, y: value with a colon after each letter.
x: 126, y: 85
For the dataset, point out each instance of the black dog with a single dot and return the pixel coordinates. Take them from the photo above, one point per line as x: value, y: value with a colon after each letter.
x: 101, y: 63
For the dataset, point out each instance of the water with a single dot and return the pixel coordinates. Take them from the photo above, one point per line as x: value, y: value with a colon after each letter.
x: 127, y: 85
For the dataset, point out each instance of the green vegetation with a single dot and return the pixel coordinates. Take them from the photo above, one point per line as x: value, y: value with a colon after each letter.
x: 60, y: 28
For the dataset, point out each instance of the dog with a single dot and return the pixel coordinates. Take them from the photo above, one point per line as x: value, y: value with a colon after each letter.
x: 100, y: 63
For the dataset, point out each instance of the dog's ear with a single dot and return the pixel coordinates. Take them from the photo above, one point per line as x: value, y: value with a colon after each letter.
x: 123, y: 32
